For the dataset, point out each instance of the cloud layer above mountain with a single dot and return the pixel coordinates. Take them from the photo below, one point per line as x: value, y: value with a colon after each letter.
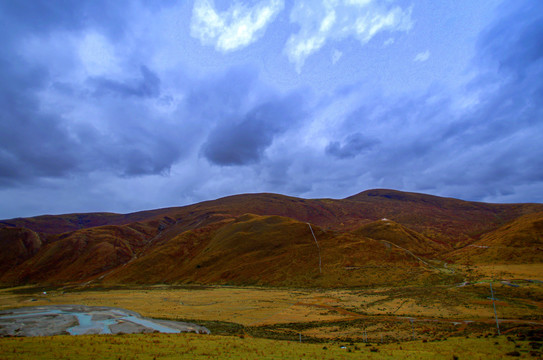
x: 122, y: 106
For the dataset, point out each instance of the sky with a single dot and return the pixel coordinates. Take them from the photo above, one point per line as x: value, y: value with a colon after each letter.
x: 130, y: 105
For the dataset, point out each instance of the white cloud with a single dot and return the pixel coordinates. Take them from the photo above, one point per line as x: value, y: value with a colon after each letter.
x: 336, y: 55
x: 388, y: 42
x: 422, y: 57
x: 339, y: 19
x: 235, y: 28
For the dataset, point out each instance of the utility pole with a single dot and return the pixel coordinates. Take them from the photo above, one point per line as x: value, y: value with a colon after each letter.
x: 495, y: 313
x: 318, y: 247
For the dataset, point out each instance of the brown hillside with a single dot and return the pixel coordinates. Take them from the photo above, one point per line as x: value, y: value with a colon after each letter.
x: 518, y: 242
x: 16, y: 246
x: 257, y: 239
x: 399, y: 235
x: 57, y: 224
x: 78, y: 255
x: 443, y: 219
x: 250, y: 249
x: 271, y: 250
x: 440, y: 219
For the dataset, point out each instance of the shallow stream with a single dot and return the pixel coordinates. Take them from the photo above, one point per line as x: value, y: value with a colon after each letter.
x: 79, y: 320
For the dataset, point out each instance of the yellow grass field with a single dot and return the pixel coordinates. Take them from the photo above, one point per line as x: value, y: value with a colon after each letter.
x: 513, y: 271
x: 261, y: 306
x: 246, y: 306
x: 266, y: 323
x: 191, y: 346
x: 319, y: 315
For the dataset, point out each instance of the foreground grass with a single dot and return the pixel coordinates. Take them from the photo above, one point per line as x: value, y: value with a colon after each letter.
x: 191, y: 346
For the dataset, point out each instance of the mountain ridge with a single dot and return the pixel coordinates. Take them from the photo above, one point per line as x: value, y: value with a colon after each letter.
x: 400, y: 234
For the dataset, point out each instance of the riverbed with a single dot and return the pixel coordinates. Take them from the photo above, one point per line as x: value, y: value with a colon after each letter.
x: 85, y: 320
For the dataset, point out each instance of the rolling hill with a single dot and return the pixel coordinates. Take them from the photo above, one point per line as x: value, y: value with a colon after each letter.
x: 374, y: 237
x: 518, y: 242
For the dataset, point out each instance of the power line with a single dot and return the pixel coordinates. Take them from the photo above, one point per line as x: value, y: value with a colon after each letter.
x: 318, y: 247
x: 495, y: 313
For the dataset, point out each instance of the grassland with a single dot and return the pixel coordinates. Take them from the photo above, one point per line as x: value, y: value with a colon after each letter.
x: 319, y: 315
x: 419, y: 322
x: 189, y: 346
x: 266, y: 323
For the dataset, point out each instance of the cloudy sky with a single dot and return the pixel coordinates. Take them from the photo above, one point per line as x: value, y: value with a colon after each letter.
x: 131, y: 105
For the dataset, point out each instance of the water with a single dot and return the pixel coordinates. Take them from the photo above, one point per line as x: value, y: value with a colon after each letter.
x: 86, y: 324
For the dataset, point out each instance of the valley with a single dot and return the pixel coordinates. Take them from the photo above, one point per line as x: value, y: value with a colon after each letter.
x: 317, y: 314
x: 263, y: 322
x: 382, y: 267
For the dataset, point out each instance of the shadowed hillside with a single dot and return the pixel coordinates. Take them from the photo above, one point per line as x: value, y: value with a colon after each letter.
x: 265, y: 239
x: 16, y: 246
x: 57, y: 224
x: 78, y: 255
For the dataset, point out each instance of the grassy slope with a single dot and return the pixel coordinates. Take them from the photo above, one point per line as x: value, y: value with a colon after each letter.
x: 443, y: 219
x: 518, y: 242
x: 273, y: 250
x: 400, y: 235
x: 78, y: 255
x: 213, y: 241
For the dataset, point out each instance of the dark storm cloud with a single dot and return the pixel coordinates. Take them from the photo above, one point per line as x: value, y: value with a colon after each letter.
x: 120, y: 135
x: 115, y: 127
x: 243, y: 141
x: 147, y: 86
x: 514, y: 43
x: 507, y: 104
x: 352, y: 146
x: 136, y: 143
x: 35, y: 143
x: 32, y: 142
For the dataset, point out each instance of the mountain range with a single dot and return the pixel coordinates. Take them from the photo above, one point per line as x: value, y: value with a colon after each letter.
x: 378, y: 236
